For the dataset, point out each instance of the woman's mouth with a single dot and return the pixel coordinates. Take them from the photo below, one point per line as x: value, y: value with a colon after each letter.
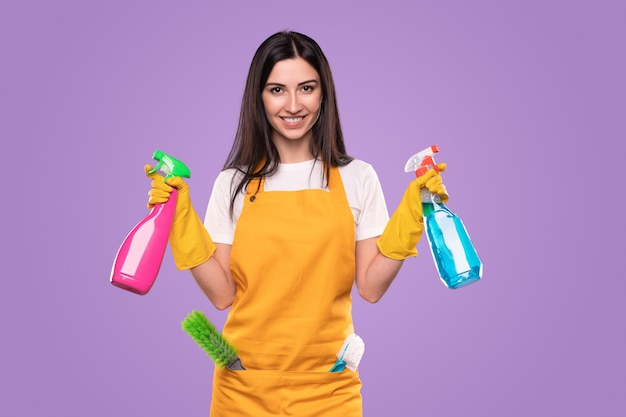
x: 292, y: 121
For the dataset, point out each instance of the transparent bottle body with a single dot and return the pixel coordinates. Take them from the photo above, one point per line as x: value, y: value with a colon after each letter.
x: 455, y: 257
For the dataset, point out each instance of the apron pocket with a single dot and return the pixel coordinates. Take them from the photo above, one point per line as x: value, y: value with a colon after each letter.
x: 262, y: 393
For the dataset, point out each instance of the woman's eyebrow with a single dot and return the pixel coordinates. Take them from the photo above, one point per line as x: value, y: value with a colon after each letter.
x: 283, y: 85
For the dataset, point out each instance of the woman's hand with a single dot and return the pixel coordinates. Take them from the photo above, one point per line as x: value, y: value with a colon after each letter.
x: 406, y: 225
x: 432, y: 181
x: 161, y: 189
x: 189, y: 240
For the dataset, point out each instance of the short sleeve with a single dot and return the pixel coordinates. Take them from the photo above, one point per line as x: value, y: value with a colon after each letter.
x: 374, y: 214
x: 366, y: 199
x: 217, y: 220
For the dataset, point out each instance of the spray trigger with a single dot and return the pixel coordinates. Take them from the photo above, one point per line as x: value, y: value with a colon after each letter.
x: 156, y: 168
x: 170, y: 166
x: 422, y: 161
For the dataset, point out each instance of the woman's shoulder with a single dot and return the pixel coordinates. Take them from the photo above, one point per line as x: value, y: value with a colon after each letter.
x: 228, y: 175
x: 359, y: 177
x: 227, y: 180
x: 358, y: 168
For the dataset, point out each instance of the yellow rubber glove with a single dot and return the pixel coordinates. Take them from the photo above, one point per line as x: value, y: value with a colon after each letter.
x: 190, y: 242
x: 406, y: 225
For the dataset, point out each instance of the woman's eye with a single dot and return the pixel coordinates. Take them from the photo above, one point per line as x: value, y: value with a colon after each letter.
x: 276, y: 90
x: 307, y: 88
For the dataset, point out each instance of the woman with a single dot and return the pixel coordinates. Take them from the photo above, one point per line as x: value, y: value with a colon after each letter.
x: 292, y: 223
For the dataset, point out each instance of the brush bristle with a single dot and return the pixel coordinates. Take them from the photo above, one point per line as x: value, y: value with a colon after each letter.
x: 209, y: 338
x: 352, y: 350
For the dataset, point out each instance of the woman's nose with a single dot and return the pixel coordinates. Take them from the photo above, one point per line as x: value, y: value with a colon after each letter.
x: 293, y: 104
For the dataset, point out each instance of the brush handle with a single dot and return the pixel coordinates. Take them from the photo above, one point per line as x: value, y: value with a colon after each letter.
x: 339, y: 366
x: 236, y: 365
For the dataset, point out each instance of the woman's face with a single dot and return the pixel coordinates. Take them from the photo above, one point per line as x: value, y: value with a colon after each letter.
x: 292, y: 98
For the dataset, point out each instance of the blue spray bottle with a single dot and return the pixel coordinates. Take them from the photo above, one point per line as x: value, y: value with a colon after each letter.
x: 455, y: 257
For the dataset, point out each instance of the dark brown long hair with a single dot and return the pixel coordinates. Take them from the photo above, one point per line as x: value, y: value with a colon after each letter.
x: 253, y: 152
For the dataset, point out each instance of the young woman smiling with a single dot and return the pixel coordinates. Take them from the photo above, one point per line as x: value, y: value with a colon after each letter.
x: 293, y: 222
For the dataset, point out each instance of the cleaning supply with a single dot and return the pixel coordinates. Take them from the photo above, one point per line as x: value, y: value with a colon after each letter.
x: 455, y: 257
x: 406, y: 225
x: 189, y: 240
x: 139, y: 258
x: 350, y: 354
x: 204, y: 333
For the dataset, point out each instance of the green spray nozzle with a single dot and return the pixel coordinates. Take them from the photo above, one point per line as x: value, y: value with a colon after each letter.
x: 169, y: 165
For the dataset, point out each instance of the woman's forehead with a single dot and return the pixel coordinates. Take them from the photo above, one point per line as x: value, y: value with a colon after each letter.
x: 292, y: 71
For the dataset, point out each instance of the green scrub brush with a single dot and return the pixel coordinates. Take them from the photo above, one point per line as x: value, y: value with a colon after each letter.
x: 350, y: 354
x: 211, y: 341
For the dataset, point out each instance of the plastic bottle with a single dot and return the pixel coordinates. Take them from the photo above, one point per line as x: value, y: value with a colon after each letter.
x: 139, y: 258
x: 455, y: 257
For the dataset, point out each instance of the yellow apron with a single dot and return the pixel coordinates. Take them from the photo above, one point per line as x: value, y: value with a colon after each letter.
x: 293, y: 261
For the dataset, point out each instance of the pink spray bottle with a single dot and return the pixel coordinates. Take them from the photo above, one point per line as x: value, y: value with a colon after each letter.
x: 139, y: 258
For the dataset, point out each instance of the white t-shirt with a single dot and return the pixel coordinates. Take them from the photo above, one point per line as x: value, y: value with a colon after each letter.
x: 360, y: 181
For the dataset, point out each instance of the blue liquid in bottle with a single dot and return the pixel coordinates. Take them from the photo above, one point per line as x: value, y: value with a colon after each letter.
x: 455, y: 257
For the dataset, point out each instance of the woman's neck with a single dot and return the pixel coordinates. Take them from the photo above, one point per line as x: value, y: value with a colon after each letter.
x: 291, y: 152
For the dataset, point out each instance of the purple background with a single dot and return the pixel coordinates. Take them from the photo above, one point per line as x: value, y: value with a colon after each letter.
x: 525, y: 100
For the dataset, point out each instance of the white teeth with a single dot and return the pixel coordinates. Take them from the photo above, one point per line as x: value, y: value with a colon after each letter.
x: 292, y: 120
